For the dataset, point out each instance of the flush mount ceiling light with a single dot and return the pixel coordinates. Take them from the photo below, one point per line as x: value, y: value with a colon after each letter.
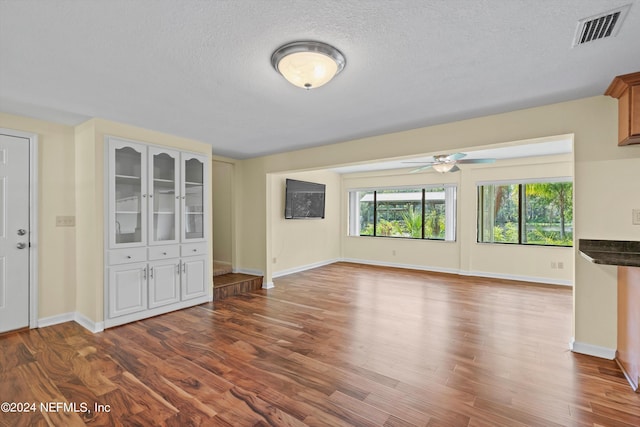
x: 308, y: 64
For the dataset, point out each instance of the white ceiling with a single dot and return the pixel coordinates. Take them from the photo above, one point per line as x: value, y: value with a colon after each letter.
x: 201, y: 69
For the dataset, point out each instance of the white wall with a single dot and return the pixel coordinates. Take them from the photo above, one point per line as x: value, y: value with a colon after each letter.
x: 222, y: 211
x: 606, y: 187
x: 409, y: 253
x: 520, y: 262
x: 301, y: 244
x: 465, y: 255
x: 593, y: 121
x: 56, y: 196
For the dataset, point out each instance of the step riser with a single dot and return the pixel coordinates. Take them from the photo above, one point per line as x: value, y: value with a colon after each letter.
x: 231, y: 289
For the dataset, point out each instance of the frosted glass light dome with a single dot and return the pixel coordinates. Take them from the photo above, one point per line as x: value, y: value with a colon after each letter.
x: 308, y: 65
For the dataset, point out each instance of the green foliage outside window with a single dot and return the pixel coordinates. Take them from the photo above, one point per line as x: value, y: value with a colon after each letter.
x: 531, y: 214
x: 398, y: 212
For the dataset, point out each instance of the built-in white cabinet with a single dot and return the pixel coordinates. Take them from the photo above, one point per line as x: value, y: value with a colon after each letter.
x: 157, y: 258
x: 193, y: 277
x: 164, y: 192
x: 128, y: 290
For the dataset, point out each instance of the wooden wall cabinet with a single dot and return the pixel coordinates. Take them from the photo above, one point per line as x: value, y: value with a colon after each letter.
x: 626, y: 89
x: 628, y: 354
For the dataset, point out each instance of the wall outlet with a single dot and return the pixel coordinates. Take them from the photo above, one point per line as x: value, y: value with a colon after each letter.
x: 393, y: 252
x: 65, y: 221
x: 635, y: 213
x: 560, y: 265
x: 554, y: 264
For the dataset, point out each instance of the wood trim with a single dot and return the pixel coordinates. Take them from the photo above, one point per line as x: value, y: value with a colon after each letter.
x: 628, y: 354
x: 620, y: 84
x: 634, y: 112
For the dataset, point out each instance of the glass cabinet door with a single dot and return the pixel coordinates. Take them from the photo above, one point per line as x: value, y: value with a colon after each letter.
x: 128, y: 197
x: 164, y: 196
x: 193, y: 198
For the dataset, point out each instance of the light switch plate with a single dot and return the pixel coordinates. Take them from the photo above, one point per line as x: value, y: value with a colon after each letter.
x: 636, y: 216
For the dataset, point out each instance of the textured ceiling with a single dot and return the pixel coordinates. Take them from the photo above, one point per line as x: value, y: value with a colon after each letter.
x: 201, y: 69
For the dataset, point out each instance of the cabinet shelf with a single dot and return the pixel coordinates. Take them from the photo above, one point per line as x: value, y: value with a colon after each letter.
x: 170, y: 181
x: 127, y: 178
x: 128, y: 212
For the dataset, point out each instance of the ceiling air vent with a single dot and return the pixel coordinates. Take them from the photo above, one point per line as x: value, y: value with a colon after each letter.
x: 600, y: 26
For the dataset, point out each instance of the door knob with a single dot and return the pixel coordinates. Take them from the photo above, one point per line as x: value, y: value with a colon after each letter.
x: 21, y: 245
x: 22, y: 232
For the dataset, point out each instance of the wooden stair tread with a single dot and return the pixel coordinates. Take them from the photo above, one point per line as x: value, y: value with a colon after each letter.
x: 232, y: 278
x: 230, y: 284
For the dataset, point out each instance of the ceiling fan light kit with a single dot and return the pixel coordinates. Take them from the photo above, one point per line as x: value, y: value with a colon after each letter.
x: 308, y: 64
x: 443, y: 167
x: 444, y: 163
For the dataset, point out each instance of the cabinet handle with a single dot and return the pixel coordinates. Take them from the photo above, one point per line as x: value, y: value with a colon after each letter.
x: 178, y: 268
x: 151, y: 272
x: 128, y: 256
x: 164, y: 253
x: 150, y: 195
x: 184, y: 267
x: 144, y: 196
x: 144, y: 273
x: 195, y: 250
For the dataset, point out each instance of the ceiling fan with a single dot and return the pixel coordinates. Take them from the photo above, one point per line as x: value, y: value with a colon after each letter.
x: 448, y: 162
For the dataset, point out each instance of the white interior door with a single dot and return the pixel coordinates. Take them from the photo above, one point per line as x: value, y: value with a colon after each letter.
x: 14, y: 232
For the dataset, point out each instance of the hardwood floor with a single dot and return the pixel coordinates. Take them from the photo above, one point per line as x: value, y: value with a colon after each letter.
x: 343, y: 344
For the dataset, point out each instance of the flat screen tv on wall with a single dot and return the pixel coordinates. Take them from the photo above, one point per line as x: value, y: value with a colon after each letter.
x: 304, y: 200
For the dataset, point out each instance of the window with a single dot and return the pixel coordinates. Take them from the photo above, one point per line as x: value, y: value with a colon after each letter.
x: 531, y: 213
x: 414, y: 213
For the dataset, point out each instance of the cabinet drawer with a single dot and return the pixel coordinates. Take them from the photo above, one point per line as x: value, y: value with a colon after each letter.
x: 164, y: 252
x: 193, y: 249
x: 126, y: 256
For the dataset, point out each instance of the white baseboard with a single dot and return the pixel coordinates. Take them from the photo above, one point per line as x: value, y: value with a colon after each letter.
x: 542, y: 280
x: 268, y: 285
x: 55, y: 320
x: 304, y: 267
x: 79, y: 318
x: 532, y: 279
x: 592, y: 350
x: 249, y: 271
x: 89, y: 324
x: 399, y: 265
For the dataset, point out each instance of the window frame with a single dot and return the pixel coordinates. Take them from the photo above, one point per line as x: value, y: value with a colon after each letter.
x: 521, y: 183
x: 450, y: 202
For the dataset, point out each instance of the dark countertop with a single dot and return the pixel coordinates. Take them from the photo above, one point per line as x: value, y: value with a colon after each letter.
x: 625, y: 253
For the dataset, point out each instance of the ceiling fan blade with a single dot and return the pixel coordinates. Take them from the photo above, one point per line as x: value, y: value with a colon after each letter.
x: 454, y: 169
x: 456, y: 156
x: 421, y: 163
x: 420, y: 169
x: 469, y: 161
